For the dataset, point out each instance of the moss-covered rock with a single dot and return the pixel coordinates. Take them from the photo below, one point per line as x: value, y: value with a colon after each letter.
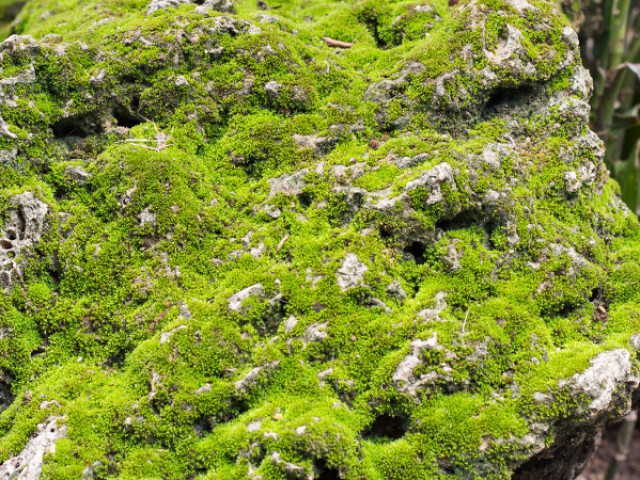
x: 232, y: 250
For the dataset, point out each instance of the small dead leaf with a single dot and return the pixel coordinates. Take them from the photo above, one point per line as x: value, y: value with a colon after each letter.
x: 634, y: 67
x: 601, y: 313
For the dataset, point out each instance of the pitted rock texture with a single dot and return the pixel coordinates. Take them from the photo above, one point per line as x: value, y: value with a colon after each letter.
x: 225, y: 6
x: 28, y: 464
x: 231, y: 250
x: 22, y: 231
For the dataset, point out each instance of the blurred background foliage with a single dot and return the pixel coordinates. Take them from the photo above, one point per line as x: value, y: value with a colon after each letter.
x: 9, y: 10
x: 609, y: 32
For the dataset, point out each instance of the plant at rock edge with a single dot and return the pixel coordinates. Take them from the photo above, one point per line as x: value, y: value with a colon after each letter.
x: 611, y: 50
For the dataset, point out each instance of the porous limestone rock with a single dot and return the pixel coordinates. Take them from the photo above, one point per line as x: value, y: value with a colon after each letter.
x: 21, y: 232
x: 401, y: 259
x: 236, y: 300
x: 28, y: 464
x: 608, y: 371
x: 225, y: 6
x: 351, y: 273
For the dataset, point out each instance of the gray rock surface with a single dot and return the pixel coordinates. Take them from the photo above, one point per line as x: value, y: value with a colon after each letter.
x: 236, y: 300
x: 28, y: 464
x: 600, y: 381
x: 21, y: 232
x: 351, y: 273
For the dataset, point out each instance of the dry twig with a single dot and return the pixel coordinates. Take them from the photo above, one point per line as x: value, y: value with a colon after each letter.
x: 336, y: 43
x: 163, y: 314
x: 464, y: 324
x: 284, y: 239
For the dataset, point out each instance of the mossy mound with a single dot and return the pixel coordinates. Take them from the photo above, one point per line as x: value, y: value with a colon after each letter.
x: 231, y: 250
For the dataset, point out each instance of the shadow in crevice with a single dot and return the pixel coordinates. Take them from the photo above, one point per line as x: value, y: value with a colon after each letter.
x: 417, y: 250
x: 463, y: 220
x: 80, y: 126
x: 6, y: 395
x: 468, y: 219
x: 324, y: 471
x: 126, y: 117
x: 503, y: 99
x: 389, y: 427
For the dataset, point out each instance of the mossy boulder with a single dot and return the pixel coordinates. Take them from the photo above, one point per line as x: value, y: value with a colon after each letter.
x: 229, y: 249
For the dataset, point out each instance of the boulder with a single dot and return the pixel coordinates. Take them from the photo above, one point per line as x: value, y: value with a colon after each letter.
x: 357, y: 240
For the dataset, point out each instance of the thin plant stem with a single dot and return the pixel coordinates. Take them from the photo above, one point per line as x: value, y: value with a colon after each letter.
x: 624, y: 440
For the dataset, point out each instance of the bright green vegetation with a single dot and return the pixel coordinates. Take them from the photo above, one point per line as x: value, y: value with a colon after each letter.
x: 84, y: 326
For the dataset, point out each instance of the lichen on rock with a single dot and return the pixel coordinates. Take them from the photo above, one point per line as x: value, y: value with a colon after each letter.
x: 231, y: 250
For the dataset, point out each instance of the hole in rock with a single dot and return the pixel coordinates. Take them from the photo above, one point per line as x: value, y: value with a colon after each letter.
x: 565, y: 309
x: 509, y: 97
x: 464, y: 219
x: 385, y: 232
x: 6, y: 244
x: 11, y: 234
x: 38, y: 351
x: 388, y: 426
x: 6, y: 397
x: 125, y: 117
x: 203, y: 424
x: 306, y: 199
x: 596, y: 294
x: 447, y: 470
x: 325, y: 472
x: 77, y: 126
x: 417, y: 250
x: 22, y: 224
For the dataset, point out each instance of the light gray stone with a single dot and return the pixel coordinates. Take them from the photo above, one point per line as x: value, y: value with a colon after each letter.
x: 351, y: 273
x: 250, y: 378
x: 395, y: 290
x: 21, y: 233
x: 403, y: 378
x: 431, y: 181
x: 77, y: 174
x: 27, y: 465
x: 236, y: 300
x: 602, y: 380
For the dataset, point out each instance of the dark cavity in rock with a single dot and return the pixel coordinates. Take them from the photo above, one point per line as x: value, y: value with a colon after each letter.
x: 416, y: 250
x: 503, y: 99
x: 80, y: 126
x: 125, y: 117
x: 325, y: 472
x: 391, y: 427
